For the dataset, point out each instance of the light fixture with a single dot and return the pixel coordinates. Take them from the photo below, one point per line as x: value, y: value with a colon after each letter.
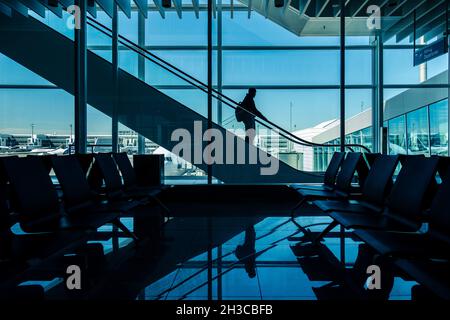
x: 166, y: 4
x: 279, y: 3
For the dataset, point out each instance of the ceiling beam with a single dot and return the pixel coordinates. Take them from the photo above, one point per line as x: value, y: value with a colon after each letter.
x: 425, y: 20
x: 35, y: 6
x: 66, y: 3
x: 338, y: 11
x: 196, y: 5
x: 158, y: 5
x: 356, y: 7
x: 92, y: 10
x: 6, y: 10
x: 436, y: 32
x: 178, y: 7
x: 107, y: 6
x: 321, y: 5
x: 142, y: 5
x: 303, y: 6
x: 231, y: 9
x: 412, y: 5
x: 287, y: 4
x: 392, y: 9
x: 430, y: 26
x: 408, y: 21
x: 125, y: 6
x: 17, y: 6
x: 266, y: 8
x: 56, y: 10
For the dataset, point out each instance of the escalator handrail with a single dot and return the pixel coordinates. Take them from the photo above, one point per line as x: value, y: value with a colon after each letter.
x: 286, y: 134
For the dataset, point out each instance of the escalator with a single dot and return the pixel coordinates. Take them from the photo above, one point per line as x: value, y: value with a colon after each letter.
x: 142, y: 107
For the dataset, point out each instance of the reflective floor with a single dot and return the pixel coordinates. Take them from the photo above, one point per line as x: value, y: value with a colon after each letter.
x: 250, y: 258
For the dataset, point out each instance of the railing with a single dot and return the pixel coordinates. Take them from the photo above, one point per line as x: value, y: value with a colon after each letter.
x: 215, y: 93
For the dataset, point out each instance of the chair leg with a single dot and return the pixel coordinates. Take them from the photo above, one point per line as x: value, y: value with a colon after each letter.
x: 301, y: 202
x: 160, y: 204
x: 327, y: 230
x: 125, y: 230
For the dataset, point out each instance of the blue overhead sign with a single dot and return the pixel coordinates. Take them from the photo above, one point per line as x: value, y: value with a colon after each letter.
x: 430, y: 52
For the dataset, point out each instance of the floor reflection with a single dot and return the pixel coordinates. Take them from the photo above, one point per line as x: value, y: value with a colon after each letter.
x: 260, y: 261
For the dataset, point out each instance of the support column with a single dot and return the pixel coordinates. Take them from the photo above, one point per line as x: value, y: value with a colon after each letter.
x: 141, y: 71
x: 342, y: 81
x: 210, y: 7
x: 80, y: 91
x: 378, y: 96
x: 219, y: 60
x: 115, y: 79
x: 342, y: 113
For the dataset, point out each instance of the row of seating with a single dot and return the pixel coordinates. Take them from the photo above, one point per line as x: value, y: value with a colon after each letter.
x: 390, y: 216
x: 93, y: 190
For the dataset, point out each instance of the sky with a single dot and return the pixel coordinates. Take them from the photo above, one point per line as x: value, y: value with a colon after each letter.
x: 51, y: 110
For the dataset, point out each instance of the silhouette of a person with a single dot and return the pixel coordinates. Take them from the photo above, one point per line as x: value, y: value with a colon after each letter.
x: 248, y: 116
x: 246, y: 252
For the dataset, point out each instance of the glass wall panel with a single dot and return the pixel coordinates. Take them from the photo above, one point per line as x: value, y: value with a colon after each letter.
x: 418, y: 134
x: 99, y: 137
x: 397, y: 135
x: 36, y: 120
x: 358, y: 69
x: 439, y: 128
x: 12, y: 73
x: 173, y: 31
x: 399, y: 68
x: 304, y: 67
x: 259, y: 31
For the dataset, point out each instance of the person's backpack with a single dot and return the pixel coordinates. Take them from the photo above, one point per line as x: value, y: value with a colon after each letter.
x: 239, y: 112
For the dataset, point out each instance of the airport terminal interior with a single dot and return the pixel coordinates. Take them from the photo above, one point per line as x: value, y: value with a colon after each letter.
x: 224, y: 150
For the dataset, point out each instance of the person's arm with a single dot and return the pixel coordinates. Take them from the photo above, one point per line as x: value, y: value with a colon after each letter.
x: 256, y: 112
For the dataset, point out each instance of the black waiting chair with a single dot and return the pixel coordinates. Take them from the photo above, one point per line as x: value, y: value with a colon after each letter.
x: 81, y: 203
x: 434, y: 243
x: 329, y: 178
x: 130, y: 181
x: 374, y: 192
x: 344, y: 180
x: 85, y: 160
x: 114, y: 187
x: 423, y: 256
x: 405, y: 203
x: 34, y: 201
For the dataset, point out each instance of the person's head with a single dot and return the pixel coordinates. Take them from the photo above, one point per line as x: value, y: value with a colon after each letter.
x: 252, y: 92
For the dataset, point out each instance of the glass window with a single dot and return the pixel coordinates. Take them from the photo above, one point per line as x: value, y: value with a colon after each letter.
x: 173, y: 31
x: 12, y: 73
x: 194, y: 63
x: 269, y: 67
x: 291, y: 109
x: 399, y: 67
x: 439, y: 128
x: 259, y: 31
x: 36, y: 118
x: 397, y: 135
x: 358, y: 67
x: 99, y: 137
x: 418, y: 132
